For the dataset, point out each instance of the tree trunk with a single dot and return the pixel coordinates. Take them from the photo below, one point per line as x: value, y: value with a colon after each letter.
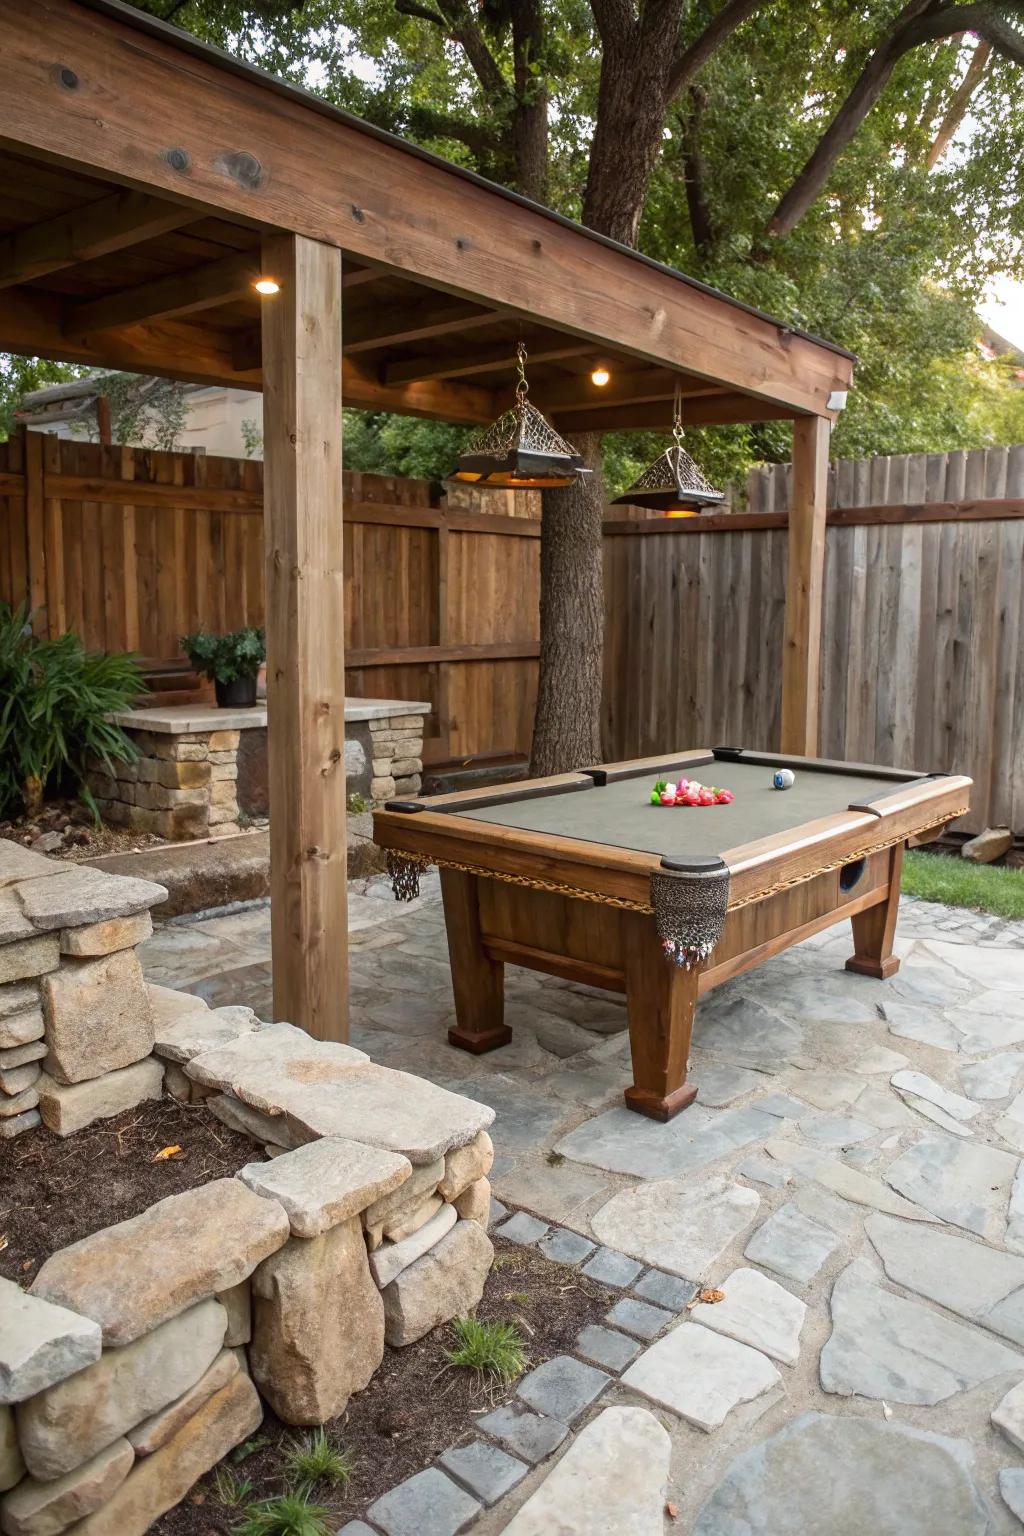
x: 530, y: 118
x: 567, y: 727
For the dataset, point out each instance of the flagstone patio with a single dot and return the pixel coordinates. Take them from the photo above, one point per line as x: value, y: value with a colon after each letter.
x: 850, y: 1178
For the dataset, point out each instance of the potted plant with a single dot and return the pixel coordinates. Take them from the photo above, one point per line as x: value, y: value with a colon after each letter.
x: 232, y: 663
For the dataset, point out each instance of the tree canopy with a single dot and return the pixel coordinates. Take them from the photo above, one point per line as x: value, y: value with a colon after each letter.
x: 854, y: 170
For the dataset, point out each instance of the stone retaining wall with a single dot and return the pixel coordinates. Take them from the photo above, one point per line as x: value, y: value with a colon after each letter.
x: 76, y: 1023
x: 201, y: 769
x: 139, y: 1355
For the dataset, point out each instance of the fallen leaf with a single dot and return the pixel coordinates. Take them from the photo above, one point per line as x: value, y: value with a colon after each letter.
x: 4, y: 1241
x: 167, y: 1152
x: 671, y: 1511
x: 705, y: 1298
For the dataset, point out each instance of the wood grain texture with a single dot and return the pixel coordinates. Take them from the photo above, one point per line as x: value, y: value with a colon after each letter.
x: 305, y: 637
x: 801, y: 654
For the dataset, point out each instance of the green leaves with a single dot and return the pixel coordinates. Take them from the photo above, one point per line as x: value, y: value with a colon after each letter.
x: 54, y: 700
x: 222, y: 658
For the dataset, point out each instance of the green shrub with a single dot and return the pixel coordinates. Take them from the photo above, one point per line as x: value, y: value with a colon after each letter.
x: 222, y: 658
x: 54, y: 697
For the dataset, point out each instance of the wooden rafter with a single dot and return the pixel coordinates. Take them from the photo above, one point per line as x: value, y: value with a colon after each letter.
x: 110, y: 224
x: 396, y: 324
x: 182, y: 293
x: 486, y: 359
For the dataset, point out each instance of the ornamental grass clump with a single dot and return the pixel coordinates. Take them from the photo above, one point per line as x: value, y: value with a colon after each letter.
x: 55, y: 697
x: 490, y: 1349
x: 314, y: 1460
x: 289, y: 1514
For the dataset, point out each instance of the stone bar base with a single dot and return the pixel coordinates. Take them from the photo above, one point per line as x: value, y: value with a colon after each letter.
x: 201, y: 770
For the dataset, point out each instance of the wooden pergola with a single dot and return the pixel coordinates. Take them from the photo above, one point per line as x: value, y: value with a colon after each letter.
x: 149, y: 180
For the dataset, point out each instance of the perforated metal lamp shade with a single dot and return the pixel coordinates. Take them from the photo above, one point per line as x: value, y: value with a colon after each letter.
x: 673, y: 483
x: 520, y: 449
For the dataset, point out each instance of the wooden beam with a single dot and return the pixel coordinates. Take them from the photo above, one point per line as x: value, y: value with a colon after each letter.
x: 152, y: 112
x: 627, y: 386
x: 463, y: 364
x: 98, y: 229
x: 305, y: 636
x: 181, y: 293
x: 656, y: 415
x: 416, y: 320
x: 801, y: 656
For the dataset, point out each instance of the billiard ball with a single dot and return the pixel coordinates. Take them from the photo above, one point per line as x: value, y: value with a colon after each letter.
x: 783, y: 778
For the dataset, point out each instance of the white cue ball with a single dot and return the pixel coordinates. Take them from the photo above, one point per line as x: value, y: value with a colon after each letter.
x: 783, y: 778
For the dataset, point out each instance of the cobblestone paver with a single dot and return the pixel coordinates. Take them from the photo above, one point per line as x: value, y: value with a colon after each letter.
x: 870, y: 1135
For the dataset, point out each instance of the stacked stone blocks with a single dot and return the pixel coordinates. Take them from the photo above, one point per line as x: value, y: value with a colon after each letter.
x: 396, y: 765
x: 76, y: 1024
x: 136, y: 1360
x: 180, y: 786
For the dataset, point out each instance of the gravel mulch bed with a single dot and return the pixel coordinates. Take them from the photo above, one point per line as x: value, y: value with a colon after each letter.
x: 417, y: 1405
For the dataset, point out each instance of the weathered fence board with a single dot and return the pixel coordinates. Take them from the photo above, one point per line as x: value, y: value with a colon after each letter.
x: 132, y: 548
x: 922, y: 623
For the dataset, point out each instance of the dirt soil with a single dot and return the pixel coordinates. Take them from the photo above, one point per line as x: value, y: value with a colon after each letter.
x: 65, y: 829
x: 417, y: 1404
x: 53, y: 1192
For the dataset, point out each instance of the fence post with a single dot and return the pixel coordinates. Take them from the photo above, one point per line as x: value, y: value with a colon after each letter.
x: 32, y: 465
x: 801, y: 656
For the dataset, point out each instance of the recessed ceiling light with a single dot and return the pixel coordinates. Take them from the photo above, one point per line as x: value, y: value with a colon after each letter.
x: 267, y: 285
x: 600, y: 376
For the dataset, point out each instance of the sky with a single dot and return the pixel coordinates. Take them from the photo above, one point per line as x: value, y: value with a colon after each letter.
x: 1003, y: 309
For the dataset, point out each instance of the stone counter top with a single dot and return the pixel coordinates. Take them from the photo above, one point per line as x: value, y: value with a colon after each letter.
x: 186, y: 719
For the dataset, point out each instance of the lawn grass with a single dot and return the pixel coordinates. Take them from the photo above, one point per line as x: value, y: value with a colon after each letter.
x: 955, y: 882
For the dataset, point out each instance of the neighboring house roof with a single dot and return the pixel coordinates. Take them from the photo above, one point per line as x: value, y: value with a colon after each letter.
x: 75, y: 400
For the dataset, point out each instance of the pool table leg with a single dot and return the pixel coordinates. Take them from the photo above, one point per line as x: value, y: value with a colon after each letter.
x: 477, y: 981
x: 660, y: 1003
x: 874, y: 929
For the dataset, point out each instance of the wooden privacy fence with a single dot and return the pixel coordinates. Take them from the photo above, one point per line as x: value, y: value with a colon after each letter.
x: 131, y: 548
x: 923, y: 623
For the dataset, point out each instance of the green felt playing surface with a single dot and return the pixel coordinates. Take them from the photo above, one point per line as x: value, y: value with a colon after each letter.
x: 620, y: 813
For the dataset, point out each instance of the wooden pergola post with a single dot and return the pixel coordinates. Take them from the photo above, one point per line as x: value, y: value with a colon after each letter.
x: 801, y: 657
x: 301, y: 332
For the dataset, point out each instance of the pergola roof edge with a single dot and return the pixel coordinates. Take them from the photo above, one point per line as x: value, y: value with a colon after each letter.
x: 145, y: 22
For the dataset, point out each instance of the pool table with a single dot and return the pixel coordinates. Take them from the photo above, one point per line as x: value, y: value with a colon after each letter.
x: 556, y: 874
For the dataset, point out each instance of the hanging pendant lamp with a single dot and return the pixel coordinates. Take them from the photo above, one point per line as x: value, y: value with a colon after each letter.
x: 672, y: 484
x: 521, y: 449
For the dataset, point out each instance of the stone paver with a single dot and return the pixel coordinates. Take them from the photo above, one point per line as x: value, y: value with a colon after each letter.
x: 979, y: 1283
x: 963, y: 1183
x: 848, y: 1477
x: 898, y: 1350
x: 530, y: 1435
x: 486, y: 1471
x: 1011, y: 1486
x: 681, y: 1225
x: 756, y: 1311
x: 613, y: 1478
x: 623, y: 1142
x: 911, y: 1190
x: 701, y: 1375
x: 562, y: 1387
x: 522, y: 1228
x: 611, y: 1267
x: 429, y: 1504
x: 606, y: 1347
x: 639, y: 1317
x: 565, y: 1247
x: 665, y: 1290
x: 791, y: 1244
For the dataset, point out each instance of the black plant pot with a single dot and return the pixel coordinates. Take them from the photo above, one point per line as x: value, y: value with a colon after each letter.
x: 238, y: 694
